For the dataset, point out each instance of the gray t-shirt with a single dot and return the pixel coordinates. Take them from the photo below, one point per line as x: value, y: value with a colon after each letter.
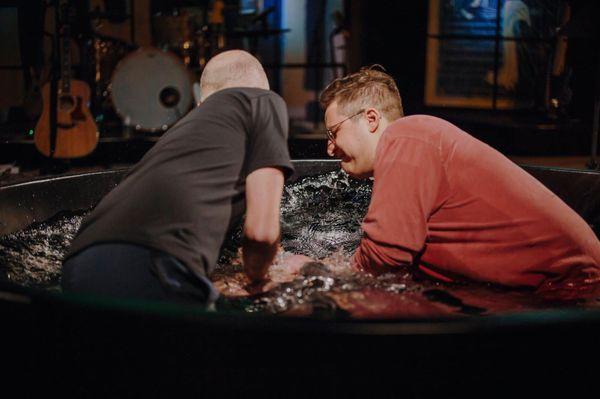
x: 189, y: 189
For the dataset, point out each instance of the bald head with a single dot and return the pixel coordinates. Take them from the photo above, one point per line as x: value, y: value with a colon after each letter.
x: 234, y: 68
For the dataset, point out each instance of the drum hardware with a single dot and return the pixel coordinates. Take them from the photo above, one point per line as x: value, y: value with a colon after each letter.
x: 186, y: 33
x: 124, y: 97
x: 171, y: 31
x: 107, y: 54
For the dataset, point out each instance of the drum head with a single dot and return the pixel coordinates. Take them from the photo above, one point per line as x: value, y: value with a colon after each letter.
x: 151, y: 89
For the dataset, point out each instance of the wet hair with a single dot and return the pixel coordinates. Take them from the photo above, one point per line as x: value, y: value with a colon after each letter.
x: 369, y: 87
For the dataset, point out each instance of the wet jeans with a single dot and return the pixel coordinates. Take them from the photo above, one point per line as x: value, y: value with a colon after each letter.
x: 131, y: 271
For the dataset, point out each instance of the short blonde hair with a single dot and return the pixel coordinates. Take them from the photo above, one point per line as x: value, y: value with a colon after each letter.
x: 369, y: 87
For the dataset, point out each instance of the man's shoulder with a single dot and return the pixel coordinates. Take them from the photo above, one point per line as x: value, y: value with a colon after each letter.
x: 423, y: 124
x: 250, y: 100
x: 420, y: 128
x: 424, y: 128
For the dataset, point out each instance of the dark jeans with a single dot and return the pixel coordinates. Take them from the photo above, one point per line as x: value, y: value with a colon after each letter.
x: 135, y: 272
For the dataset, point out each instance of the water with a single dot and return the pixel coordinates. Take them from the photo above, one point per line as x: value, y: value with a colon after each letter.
x: 32, y: 257
x: 320, y: 218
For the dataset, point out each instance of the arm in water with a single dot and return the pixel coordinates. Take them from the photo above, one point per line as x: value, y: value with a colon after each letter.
x: 264, y: 187
x: 407, y: 185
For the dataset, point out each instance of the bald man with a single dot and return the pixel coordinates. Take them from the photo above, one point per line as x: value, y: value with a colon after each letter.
x: 158, y: 234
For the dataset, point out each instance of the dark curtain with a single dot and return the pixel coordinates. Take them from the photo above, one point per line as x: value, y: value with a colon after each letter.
x: 315, y: 40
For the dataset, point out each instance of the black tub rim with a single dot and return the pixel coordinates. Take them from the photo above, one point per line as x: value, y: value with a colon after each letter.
x: 546, y: 320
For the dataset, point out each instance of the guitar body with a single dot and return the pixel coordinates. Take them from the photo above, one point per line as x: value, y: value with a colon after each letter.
x: 76, y: 132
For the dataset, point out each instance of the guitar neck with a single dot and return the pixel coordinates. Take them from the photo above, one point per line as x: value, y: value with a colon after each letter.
x: 65, y: 50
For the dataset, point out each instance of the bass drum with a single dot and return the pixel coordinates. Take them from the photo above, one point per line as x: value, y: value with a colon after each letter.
x: 151, y: 89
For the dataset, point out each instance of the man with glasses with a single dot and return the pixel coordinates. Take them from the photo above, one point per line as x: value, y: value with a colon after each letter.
x: 448, y: 204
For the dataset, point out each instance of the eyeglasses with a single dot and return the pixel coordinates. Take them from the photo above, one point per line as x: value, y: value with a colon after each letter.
x: 332, y: 130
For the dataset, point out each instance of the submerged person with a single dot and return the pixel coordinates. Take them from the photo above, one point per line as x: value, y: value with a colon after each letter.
x: 158, y: 234
x: 449, y: 204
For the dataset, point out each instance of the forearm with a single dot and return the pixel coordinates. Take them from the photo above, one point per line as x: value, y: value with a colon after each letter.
x: 375, y: 258
x: 257, y: 257
x: 261, y: 227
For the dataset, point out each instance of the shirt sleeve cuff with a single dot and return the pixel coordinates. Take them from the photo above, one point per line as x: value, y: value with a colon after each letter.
x: 286, y: 167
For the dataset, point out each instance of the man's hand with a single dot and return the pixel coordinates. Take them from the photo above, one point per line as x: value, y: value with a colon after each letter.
x: 258, y: 287
x: 257, y: 257
x: 293, y: 264
x: 285, y: 270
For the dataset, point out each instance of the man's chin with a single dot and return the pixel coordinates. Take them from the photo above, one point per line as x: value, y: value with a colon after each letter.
x: 346, y: 167
x: 353, y: 172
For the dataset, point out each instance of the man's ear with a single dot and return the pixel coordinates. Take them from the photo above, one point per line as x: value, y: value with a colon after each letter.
x: 373, y: 119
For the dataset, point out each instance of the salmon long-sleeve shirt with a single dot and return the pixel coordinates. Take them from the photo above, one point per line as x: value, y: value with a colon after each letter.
x: 459, y: 210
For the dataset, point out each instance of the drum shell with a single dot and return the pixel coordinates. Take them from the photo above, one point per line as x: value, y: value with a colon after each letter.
x: 138, y: 87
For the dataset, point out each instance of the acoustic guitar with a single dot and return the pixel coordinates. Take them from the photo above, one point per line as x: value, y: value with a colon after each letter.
x: 76, y: 131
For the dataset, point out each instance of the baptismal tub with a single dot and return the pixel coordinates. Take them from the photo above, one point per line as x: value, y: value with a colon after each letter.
x: 401, y: 340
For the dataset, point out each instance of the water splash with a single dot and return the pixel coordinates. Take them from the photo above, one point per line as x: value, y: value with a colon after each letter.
x: 321, y: 215
x: 33, y: 257
x: 320, y: 218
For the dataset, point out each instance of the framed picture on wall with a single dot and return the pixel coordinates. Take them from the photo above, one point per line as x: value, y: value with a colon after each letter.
x: 490, y: 54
